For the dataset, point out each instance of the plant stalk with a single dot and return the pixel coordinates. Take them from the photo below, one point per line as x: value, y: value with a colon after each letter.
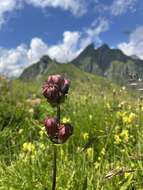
x: 55, y: 155
x: 54, y: 168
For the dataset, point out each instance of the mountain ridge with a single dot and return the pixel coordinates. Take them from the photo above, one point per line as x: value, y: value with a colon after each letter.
x: 103, y: 61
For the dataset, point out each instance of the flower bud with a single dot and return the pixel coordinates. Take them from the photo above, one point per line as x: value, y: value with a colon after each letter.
x: 51, y: 127
x: 64, y: 132
x: 65, y: 86
x: 55, y: 89
x: 58, y: 133
x: 55, y: 79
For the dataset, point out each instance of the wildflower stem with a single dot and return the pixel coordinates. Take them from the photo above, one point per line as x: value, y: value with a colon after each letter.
x: 55, y: 155
x: 58, y: 113
x: 54, y: 168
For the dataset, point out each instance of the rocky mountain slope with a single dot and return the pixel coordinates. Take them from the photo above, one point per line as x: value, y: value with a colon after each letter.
x: 110, y: 63
x: 103, y: 61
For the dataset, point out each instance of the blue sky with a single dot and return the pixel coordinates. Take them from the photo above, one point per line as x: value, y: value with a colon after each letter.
x: 63, y: 28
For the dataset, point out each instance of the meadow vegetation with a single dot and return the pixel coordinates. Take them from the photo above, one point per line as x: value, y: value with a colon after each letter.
x: 104, y: 153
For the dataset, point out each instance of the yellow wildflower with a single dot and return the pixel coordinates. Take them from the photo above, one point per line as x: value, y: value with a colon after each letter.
x: 117, y: 139
x: 89, y: 152
x: 85, y: 136
x: 66, y: 120
x: 125, y: 135
x: 28, y: 147
x: 132, y: 117
x: 120, y: 114
x: 126, y: 120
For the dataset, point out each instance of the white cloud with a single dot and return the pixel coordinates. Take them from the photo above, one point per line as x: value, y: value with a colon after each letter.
x: 77, y: 7
x: 13, y: 61
x: 92, y: 34
x: 119, y: 7
x: 67, y: 49
x: 37, y: 48
x: 7, y: 6
x: 135, y: 44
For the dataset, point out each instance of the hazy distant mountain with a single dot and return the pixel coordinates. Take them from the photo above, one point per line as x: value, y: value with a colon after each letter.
x: 111, y: 63
x: 135, y: 57
x: 103, y: 61
x: 37, y: 69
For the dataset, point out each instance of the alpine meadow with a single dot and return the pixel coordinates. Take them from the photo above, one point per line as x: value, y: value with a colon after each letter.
x: 71, y: 108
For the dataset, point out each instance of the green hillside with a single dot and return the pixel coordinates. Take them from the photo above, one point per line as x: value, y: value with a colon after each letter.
x: 112, y: 64
x: 79, y: 78
x: 104, y: 152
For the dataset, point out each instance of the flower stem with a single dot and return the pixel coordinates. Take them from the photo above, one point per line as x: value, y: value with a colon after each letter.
x: 55, y: 155
x: 54, y: 168
x: 58, y: 113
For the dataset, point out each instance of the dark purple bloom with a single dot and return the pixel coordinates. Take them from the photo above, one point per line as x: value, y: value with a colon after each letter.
x: 58, y: 133
x: 55, y: 89
x: 55, y: 80
x: 51, y: 126
x: 65, y: 131
x: 65, y: 86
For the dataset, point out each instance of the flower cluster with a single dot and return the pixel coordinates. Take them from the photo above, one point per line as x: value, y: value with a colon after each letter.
x: 55, y: 91
x: 28, y: 147
x: 58, y: 132
x: 127, y: 118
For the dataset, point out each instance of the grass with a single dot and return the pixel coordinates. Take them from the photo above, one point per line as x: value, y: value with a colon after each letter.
x: 105, y: 152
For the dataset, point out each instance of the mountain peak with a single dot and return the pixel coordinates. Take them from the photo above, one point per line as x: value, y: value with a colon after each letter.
x: 89, y: 50
x: 104, y: 61
x: 90, y: 46
x: 45, y: 59
x: 104, y: 47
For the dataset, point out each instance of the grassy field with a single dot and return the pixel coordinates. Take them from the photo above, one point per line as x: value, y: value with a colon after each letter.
x: 104, y: 153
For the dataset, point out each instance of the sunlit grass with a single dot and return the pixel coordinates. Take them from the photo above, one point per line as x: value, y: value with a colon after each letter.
x: 105, y: 152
